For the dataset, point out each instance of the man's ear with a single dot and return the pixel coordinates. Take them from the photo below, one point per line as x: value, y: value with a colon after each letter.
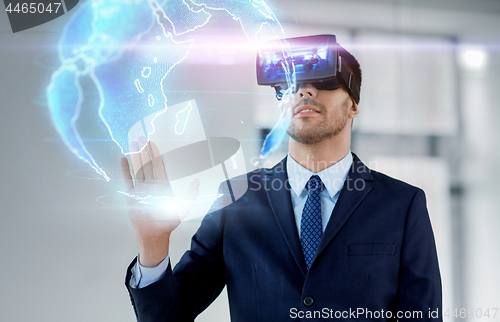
x: 353, y: 110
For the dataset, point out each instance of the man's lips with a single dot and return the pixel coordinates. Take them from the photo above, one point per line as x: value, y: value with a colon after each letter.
x: 306, y: 110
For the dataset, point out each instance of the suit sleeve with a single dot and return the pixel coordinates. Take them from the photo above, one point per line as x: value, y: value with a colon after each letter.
x: 420, y: 280
x: 195, y: 282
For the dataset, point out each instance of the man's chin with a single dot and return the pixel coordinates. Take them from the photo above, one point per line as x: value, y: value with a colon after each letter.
x: 306, y: 137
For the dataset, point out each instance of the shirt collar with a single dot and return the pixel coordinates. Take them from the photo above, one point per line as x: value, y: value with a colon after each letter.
x: 333, y: 177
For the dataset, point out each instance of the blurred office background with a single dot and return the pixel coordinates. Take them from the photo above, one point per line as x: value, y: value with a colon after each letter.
x: 429, y: 116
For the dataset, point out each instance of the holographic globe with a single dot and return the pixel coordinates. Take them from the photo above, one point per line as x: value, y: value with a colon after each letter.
x: 128, y: 50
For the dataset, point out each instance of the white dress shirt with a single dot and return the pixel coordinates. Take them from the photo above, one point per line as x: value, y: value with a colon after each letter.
x: 332, y: 177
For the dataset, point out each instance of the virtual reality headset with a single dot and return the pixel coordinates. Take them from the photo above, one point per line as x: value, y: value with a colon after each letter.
x: 317, y: 60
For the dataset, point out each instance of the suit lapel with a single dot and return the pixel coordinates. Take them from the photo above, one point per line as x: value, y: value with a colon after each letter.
x: 281, y: 205
x: 355, y: 189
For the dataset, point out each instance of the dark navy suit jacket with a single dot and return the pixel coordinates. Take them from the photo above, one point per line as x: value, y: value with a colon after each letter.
x: 377, y: 253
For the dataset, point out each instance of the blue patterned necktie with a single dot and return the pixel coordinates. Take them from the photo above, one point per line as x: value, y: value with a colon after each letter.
x: 310, y: 224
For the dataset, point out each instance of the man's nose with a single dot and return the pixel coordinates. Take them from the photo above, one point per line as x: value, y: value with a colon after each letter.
x: 307, y: 91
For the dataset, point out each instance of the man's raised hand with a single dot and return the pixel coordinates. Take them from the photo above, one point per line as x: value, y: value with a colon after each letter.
x: 153, y: 211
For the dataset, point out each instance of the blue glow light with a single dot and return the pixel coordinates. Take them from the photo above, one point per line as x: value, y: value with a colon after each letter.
x: 279, y: 131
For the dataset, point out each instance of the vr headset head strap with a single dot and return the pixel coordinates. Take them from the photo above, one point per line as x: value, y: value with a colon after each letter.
x: 348, y: 79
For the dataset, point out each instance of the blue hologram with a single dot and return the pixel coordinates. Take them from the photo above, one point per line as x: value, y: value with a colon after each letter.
x: 127, y: 49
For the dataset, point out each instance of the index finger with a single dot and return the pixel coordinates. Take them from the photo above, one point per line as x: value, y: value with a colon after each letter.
x: 193, y: 190
x: 157, y: 161
x: 127, y: 177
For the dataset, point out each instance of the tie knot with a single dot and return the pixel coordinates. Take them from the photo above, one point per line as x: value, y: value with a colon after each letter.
x: 314, y: 183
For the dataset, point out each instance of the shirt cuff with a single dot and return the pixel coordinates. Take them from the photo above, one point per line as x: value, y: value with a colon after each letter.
x: 144, y: 276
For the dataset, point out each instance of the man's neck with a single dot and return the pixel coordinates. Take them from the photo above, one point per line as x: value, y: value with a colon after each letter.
x: 319, y: 156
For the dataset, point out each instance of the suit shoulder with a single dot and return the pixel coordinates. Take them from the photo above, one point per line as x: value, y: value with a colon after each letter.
x: 255, y: 174
x: 252, y: 181
x: 393, y: 186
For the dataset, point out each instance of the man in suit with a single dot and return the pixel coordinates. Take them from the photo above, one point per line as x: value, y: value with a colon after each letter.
x: 318, y: 236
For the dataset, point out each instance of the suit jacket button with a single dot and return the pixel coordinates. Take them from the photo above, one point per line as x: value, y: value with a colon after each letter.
x: 308, y: 301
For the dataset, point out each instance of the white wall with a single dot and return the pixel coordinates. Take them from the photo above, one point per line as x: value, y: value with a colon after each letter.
x: 481, y: 173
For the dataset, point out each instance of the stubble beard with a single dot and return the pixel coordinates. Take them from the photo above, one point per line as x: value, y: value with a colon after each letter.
x: 329, y: 127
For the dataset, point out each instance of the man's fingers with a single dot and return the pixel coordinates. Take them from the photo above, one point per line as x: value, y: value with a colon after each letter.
x: 193, y: 190
x: 147, y: 166
x: 158, y: 166
x: 136, y: 161
x: 127, y: 177
x: 190, y: 198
